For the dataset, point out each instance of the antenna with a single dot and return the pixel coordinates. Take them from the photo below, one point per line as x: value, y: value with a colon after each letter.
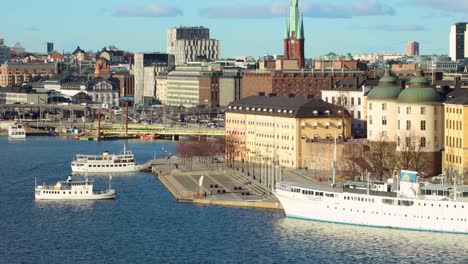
x: 334, y: 164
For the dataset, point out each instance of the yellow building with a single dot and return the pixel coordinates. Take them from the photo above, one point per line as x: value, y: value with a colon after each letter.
x: 277, y: 129
x: 455, y: 157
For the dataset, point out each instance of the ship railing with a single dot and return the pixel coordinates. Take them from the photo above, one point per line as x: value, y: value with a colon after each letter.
x: 371, y: 192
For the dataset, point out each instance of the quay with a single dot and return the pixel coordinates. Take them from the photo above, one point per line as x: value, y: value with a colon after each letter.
x: 221, y: 185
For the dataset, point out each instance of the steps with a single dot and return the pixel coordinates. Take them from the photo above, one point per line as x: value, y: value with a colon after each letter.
x: 259, y: 189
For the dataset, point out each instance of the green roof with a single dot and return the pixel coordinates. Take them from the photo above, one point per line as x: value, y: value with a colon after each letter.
x: 386, y: 90
x: 419, y: 92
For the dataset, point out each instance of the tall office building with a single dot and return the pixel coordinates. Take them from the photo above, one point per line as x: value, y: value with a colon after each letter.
x: 48, y: 47
x: 146, y: 69
x: 412, y: 48
x: 459, y: 41
x: 189, y: 44
x: 294, y: 35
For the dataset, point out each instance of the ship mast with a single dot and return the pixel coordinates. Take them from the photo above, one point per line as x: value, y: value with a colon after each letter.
x: 334, y: 164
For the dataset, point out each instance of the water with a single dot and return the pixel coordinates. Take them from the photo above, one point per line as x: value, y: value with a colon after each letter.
x: 145, y: 225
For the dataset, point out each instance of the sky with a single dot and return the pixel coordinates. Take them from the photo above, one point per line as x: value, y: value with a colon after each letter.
x: 244, y: 27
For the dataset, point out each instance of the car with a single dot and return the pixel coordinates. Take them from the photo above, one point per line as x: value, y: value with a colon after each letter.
x: 212, y: 125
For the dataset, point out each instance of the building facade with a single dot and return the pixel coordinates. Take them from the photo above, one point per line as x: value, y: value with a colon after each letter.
x: 4, y: 54
x: 146, y: 68
x: 278, y: 129
x: 294, y: 36
x: 455, y: 157
x: 458, y: 49
x: 15, y: 74
x: 191, y: 44
x: 47, y: 47
x: 412, y: 48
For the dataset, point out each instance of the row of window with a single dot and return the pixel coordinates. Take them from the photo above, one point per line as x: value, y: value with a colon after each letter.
x: 454, y: 124
x: 454, y: 142
x: 339, y: 100
x: 63, y: 192
x: 453, y: 158
x: 422, y: 142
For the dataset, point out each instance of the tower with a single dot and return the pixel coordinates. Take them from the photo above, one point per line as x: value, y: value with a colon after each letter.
x: 458, y: 41
x: 294, y: 35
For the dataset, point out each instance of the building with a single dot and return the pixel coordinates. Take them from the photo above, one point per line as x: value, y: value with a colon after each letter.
x: 22, y: 95
x: 192, y: 44
x: 351, y: 93
x: 230, y: 86
x: 382, y: 108
x: 48, y: 47
x: 412, y: 48
x: 300, y: 82
x: 161, y: 87
x: 126, y: 83
x: 79, y: 55
x: 100, y: 90
x: 4, y: 54
x: 146, y: 68
x: 279, y: 130
x: 413, y: 118
x: 455, y: 157
x: 458, y: 41
x: 294, y: 36
x: 16, y: 74
x: 193, y: 85
x: 18, y: 49
x: 335, y: 62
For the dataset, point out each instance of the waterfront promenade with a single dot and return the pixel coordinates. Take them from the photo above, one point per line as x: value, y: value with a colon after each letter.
x: 222, y: 185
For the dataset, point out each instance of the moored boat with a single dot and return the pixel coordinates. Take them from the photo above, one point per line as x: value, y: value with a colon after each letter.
x: 16, y: 131
x: 73, y: 190
x: 402, y: 203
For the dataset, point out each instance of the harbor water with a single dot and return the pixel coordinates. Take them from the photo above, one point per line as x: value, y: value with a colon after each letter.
x: 144, y: 224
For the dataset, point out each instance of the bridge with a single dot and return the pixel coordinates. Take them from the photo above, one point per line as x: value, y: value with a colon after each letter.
x: 166, y: 132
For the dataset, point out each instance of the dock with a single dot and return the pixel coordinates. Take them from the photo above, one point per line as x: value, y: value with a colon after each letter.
x: 222, y: 185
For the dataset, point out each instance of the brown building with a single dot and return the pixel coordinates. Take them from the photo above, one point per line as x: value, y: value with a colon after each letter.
x: 209, y: 89
x: 300, y: 83
x: 412, y: 48
x: 126, y: 83
x: 341, y: 64
x: 15, y: 74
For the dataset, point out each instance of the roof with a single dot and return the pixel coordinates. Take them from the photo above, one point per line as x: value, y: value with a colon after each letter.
x: 78, y: 50
x: 419, y: 92
x: 386, y: 90
x: 286, y: 106
x: 458, y: 96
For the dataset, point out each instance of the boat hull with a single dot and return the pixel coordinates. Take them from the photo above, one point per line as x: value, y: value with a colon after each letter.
x: 364, y: 210
x: 72, y: 195
x: 86, y: 169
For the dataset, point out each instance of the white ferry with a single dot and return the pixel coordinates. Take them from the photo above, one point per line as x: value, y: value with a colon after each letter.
x: 403, y: 203
x: 16, y: 131
x: 105, y: 163
x: 73, y: 190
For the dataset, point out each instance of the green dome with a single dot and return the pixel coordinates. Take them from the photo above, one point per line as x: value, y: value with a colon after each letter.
x: 419, y: 92
x: 386, y: 90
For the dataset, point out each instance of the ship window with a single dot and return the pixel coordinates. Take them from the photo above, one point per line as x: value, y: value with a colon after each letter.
x: 388, y: 201
x: 86, y: 191
x: 69, y: 192
x: 63, y: 192
x: 81, y: 192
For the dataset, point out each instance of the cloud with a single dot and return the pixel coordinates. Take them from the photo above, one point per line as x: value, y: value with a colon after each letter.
x: 459, y: 6
x: 31, y: 28
x: 154, y: 10
x: 392, y: 28
x: 309, y: 9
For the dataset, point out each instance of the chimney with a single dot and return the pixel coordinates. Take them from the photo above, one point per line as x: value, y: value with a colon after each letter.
x: 271, y: 94
x: 261, y: 94
x: 291, y: 95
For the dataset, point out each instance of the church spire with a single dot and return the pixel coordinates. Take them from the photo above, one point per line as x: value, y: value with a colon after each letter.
x: 300, y: 30
x: 294, y: 17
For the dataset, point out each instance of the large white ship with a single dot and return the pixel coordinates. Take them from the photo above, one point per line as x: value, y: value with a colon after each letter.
x: 105, y: 163
x: 73, y: 190
x: 403, y: 203
x: 16, y: 131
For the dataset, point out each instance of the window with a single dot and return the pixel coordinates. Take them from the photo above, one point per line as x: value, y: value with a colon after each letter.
x: 408, y: 142
x: 384, y: 120
x: 370, y: 120
x: 423, y: 110
x: 408, y: 124
x: 408, y: 110
x: 423, y: 125
x: 398, y: 141
x: 359, y: 101
x: 398, y: 124
x: 423, y: 142
x: 370, y: 106
x: 352, y: 100
x: 384, y: 107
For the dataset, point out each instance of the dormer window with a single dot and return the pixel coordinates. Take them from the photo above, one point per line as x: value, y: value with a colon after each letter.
x: 285, y: 111
x: 264, y: 109
x: 247, y: 108
x: 230, y: 107
x: 315, y: 112
x: 327, y: 112
x: 291, y: 111
x: 240, y: 107
x: 271, y: 110
x: 279, y: 110
x: 235, y: 107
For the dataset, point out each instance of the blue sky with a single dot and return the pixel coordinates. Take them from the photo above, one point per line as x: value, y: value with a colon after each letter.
x: 245, y: 27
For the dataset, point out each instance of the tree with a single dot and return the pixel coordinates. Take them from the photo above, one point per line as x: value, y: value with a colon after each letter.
x: 353, y: 160
x: 233, y: 146
x: 380, y: 158
x: 410, y: 154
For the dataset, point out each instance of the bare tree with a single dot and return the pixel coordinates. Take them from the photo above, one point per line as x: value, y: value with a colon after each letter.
x: 380, y: 158
x: 233, y: 146
x: 411, y: 155
x: 353, y: 160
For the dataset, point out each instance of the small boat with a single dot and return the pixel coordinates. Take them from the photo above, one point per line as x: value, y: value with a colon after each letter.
x: 148, y: 137
x: 105, y: 163
x: 16, y: 131
x: 73, y: 190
